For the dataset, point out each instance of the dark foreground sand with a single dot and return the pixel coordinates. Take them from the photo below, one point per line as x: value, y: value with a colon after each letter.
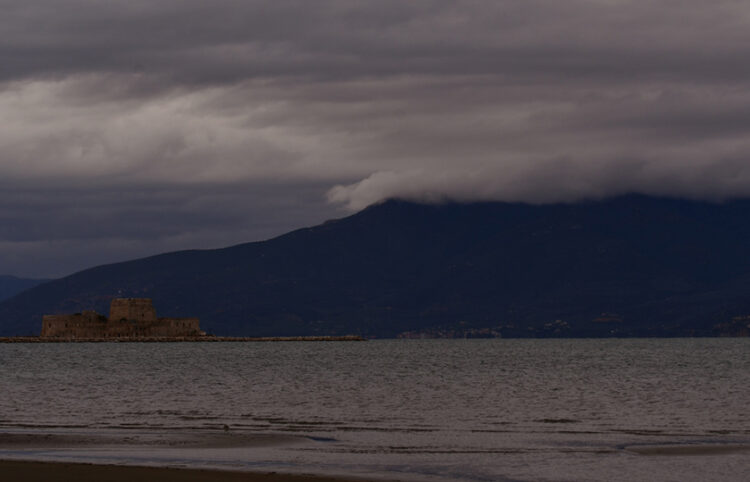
x: 79, y: 442
x: 66, y: 472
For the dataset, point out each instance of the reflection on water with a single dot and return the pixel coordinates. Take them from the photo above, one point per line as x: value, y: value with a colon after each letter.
x: 449, y: 409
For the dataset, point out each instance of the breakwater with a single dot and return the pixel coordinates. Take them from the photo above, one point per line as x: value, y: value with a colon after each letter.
x: 173, y: 339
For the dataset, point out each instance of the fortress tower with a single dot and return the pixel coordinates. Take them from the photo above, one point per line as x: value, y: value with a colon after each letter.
x: 132, y: 309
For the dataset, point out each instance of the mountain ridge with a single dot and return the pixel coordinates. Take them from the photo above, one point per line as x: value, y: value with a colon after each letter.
x: 627, y: 266
x: 12, y: 285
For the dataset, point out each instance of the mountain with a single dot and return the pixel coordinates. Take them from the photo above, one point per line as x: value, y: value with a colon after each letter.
x: 628, y: 266
x: 10, y: 285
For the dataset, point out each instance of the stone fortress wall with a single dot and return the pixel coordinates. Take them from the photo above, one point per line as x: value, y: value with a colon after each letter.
x: 128, y: 318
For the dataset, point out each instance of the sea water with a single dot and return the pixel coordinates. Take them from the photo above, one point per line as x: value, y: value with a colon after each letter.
x: 451, y: 410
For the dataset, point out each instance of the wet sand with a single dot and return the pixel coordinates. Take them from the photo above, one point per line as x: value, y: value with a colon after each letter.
x: 188, y: 443
x: 688, y: 449
x: 173, y: 439
x: 23, y: 471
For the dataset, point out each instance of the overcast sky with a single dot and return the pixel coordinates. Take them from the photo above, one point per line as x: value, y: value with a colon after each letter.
x: 130, y: 128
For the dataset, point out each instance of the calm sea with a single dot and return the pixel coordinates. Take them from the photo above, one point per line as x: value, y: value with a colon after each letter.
x: 469, y: 410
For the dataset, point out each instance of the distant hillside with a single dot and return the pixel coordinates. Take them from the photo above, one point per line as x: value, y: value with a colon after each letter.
x: 11, y: 286
x: 632, y: 265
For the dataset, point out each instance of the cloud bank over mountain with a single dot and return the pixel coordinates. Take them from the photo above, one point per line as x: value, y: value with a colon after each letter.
x: 135, y: 127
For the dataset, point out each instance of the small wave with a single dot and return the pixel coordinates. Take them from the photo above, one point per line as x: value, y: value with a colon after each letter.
x: 322, y: 439
x: 557, y: 420
x: 347, y: 428
x: 43, y: 425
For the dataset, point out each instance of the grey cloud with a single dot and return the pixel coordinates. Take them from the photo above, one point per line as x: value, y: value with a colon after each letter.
x: 229, y: 41
x: 136, y: 124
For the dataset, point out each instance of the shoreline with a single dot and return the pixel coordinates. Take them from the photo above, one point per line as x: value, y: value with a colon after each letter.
x: 35, y: 471
x: 177, y: 456
x: 175, y: 339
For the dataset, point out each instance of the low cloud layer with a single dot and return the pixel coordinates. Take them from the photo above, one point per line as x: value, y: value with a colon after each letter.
x: 131, y: 128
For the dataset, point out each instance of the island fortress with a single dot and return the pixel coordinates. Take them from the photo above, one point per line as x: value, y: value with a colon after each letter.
x: 128, y: 318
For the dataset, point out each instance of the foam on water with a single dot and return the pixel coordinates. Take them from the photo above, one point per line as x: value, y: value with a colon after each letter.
x: 420, y: 410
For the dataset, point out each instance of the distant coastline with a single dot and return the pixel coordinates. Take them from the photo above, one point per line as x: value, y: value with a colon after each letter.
x: 173, y: 339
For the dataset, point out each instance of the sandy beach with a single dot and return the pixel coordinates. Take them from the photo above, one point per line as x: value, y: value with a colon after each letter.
x: 187, y: 444
x: 23, y: 471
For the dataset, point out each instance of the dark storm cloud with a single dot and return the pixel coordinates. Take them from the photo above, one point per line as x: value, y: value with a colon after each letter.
x: 231, y: 41
x: 74, y: 228
x: 135, y: 127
